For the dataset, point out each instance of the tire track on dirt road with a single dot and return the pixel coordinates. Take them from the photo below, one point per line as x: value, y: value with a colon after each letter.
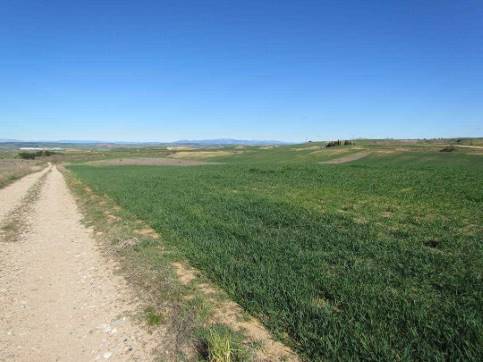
x: 59, y: 298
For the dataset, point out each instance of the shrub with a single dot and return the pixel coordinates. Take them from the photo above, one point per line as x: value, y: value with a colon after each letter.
x: 333, y: 144
x: 339, y: 143
x: 221, y: 344
x: 448, y: 149
x: 34, y: 155
x: 27, y: 155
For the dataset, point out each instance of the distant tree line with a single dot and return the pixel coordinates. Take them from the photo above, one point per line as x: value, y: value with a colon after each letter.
x: 34, y: 155
x: 339, y: 143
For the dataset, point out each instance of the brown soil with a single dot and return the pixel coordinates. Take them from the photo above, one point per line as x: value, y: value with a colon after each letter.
x: 147, y: 232
x: 231, y: 314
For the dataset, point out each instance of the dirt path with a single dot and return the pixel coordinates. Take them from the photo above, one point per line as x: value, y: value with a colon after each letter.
x: 59, y: 299
x: 470, y: 146
x: 348, y: 158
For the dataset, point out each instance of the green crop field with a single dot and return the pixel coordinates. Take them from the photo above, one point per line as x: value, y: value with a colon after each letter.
x: 376, y: 259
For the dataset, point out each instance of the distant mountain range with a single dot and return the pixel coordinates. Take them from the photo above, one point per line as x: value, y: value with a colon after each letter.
x: 229, y: 141
x: 8, y: 140
x: 207, y: 142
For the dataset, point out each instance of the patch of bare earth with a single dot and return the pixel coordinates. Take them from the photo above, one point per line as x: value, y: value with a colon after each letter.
x: 348, y: 158
x: 471, y: 149
x: 59, y: 297
x: 330, y: 151
x: 231, y: 314
x: 147, y: 162
x: 470, y: 146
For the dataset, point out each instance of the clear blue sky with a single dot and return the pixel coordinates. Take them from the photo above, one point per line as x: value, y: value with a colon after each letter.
x: 259, y: 69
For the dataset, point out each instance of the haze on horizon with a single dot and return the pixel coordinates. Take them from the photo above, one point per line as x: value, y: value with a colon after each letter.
x: 274, y: 70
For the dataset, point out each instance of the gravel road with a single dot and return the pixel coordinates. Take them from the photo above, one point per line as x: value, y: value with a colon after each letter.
x: 59, y: 297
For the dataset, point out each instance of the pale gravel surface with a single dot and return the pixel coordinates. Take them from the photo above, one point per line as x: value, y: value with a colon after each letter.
x: 59, y: 298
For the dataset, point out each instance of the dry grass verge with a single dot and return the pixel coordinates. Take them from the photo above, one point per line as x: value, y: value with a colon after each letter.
x: 13, y: 169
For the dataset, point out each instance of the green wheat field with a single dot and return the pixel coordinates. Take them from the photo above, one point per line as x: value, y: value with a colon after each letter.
x: 380, y: 258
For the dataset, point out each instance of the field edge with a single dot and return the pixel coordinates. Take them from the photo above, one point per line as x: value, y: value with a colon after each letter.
x: 204, y: 308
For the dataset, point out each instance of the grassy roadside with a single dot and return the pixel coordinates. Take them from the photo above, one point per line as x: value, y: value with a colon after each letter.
x: 179, y: 305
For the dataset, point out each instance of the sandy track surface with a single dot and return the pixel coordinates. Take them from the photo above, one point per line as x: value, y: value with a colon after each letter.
x: 11, y: 196
x: 470, y: 146
x: 348, y: 158
x: 59, y: 298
